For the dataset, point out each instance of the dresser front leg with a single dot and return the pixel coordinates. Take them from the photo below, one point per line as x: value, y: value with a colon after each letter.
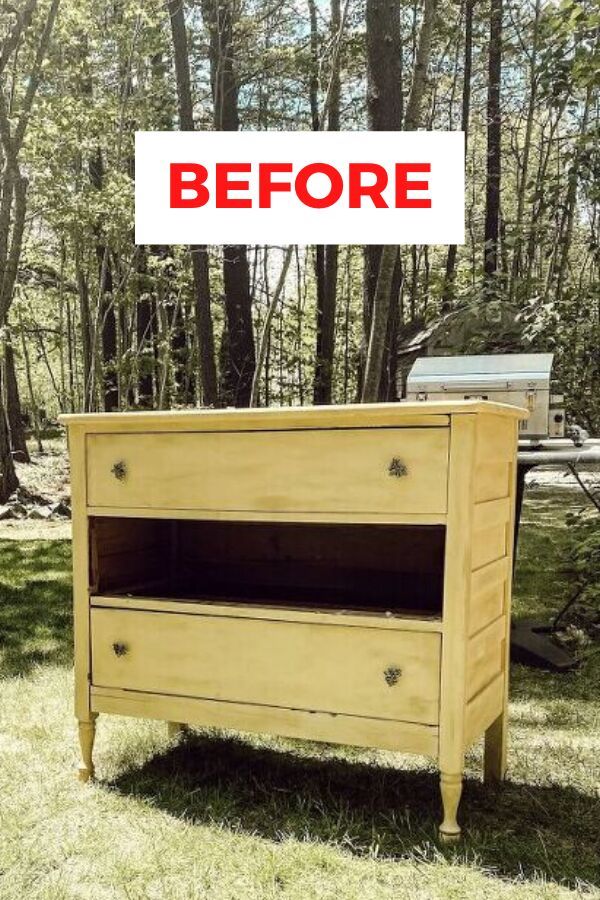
x: 87, y: 733
x: 175, y: 730
x: 451, y: 788
x: 494, y: 758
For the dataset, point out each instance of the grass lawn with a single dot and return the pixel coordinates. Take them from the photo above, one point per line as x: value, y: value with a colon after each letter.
x: 242, y: 817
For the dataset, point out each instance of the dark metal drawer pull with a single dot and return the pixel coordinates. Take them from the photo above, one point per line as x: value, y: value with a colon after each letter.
x: 119, y: 470
x: 120, y: 649
x: 392, y: 675
x: 397, y: 468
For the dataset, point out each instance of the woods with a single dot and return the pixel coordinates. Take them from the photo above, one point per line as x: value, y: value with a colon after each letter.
x: 90, y: 321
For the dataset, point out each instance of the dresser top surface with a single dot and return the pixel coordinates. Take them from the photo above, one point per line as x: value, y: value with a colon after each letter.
x: 342, y: 416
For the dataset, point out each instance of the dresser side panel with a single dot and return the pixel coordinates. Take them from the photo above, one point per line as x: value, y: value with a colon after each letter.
x: 491, y: 580
x: 81, y: 563
x: 457, y: 575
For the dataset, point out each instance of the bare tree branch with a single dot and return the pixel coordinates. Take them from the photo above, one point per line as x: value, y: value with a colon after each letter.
x: 264, y: 340
x: 23, y: 22
x: 413, y: 107
x: 36, y: 75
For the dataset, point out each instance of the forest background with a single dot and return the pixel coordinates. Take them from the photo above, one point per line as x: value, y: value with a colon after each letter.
x: 90, y: 321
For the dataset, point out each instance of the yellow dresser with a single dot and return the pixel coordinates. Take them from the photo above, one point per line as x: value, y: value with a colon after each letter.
x: 336, y: 573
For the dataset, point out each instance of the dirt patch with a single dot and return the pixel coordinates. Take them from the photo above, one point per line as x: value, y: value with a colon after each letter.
x: 560, y: 477
x: 47, y: 475
x: 40, y: 507
x: 31, y: 530
x: 45, y: 483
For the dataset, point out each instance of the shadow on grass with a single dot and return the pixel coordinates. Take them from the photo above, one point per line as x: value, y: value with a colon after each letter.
x: 544, y: 583
x: 35, y: 605
x: 516, y: 830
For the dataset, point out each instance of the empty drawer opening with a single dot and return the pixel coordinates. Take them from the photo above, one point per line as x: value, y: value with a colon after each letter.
x: 394, y: 569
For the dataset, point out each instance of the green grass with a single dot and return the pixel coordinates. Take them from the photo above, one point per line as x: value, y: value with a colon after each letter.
x: 230, y: 816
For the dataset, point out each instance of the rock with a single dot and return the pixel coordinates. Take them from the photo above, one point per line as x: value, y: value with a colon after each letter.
x: 6, y: 513
x: 23, y: 495
x: 61, y: 509
x: 19, y: 456
x: 18, y: 510
x: 39, y: 512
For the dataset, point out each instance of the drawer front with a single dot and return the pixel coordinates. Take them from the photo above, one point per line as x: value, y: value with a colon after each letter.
x: 323, y: 668
x: 384, y: 471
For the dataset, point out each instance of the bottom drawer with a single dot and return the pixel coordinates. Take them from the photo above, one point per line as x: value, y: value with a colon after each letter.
x: 319, y: 667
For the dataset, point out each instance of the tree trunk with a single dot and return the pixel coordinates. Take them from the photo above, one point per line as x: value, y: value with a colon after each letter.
x: 13, y: 127
x: 414, y: 104
x: 266, y: 331
x: 448, y: 292
x: 388, y: 386
x: 202, y: 310
x: 108, y: 319
x: 379, y: 324
x: 13, y: 406
x: 382, y: 332
x: 240, y: 355
x: 109, y: 331
x: 419, y: 81
x: 8, y: 477
x: 539, y: 198
x: 566, y: 230
x: 492, y: 200
x: 325, y: 338
x: 241, y: 360
x: 384, y: 65
x: 524, y: 167
x: 313, y: 86
x: 145, y: 335
x: 86, y: 330
x: 35, y: 419
x: 182, y: 64
x: 14, y: 188
x: 320, y: 378
x: 175, y: 311
x: 144, y: 327
x: 384, y: 113
x: 63, y: 338
x: 327, y: 256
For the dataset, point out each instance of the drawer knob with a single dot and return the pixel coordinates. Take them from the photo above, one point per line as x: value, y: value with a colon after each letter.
x: 397, y: 468
x: 119, y: 470
x: 392, y: 675
x: 119, y: 649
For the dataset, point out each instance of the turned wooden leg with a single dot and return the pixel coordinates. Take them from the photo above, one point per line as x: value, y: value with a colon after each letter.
x: 87, y: 733
x: 494, y: 759
x: 175, y: 729
x: 451, y: 788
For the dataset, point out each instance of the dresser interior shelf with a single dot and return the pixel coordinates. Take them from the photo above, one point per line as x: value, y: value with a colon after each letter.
x: 381, y: 570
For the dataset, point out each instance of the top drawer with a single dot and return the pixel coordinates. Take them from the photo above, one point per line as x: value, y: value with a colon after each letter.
x: 380, y: 471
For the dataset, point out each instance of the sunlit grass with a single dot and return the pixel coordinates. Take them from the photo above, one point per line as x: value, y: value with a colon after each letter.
x: 231, y: 816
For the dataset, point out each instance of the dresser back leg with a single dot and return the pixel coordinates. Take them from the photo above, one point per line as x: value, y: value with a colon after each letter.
x: 87, y: 733
x: 494, y: 760
x: 175, y: 730
x: 451, y: 788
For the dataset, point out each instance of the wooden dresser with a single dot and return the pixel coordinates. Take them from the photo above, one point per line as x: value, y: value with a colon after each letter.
x: 337, y: 573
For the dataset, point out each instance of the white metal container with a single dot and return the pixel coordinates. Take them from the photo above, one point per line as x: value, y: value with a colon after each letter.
x: 521, y: 379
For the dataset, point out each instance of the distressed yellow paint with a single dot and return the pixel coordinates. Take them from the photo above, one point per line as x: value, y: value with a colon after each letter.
x: 272, y: 471
x: 330, y: 668
x: 430, y: 684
